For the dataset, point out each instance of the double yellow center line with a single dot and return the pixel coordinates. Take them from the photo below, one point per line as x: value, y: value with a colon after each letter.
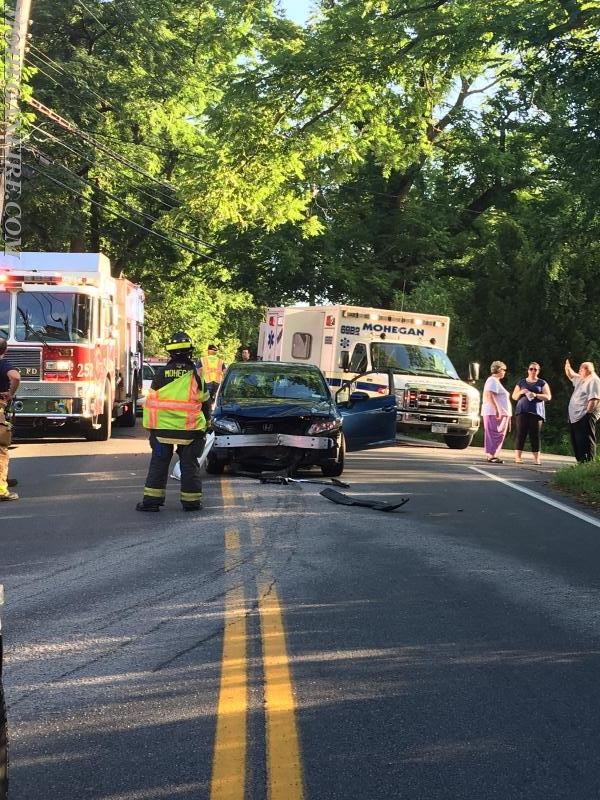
x: 284, y: 768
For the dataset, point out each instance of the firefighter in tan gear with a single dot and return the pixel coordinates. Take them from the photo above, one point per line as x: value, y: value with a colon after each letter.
x: 213, y: 368
x: 176, y: 412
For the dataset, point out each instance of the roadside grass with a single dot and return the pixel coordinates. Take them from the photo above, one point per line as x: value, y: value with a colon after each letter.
x: 581, y: 480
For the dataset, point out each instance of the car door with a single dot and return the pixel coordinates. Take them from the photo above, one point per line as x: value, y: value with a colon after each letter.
x: 368, y: 420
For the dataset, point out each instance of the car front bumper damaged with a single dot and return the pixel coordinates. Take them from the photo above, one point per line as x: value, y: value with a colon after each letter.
x: 274, y: 440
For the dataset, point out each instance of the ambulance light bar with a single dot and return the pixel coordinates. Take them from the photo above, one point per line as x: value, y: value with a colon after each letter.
x: 375, y: 317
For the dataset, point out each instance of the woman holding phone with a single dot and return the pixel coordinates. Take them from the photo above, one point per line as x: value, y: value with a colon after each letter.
x: 531, y: 394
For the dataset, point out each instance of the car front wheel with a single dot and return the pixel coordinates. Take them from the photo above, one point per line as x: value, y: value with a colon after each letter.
x: 213, y: 465
x: 335, y: 467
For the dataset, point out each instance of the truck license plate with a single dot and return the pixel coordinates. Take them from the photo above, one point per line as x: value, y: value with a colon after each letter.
x: 439, y: 427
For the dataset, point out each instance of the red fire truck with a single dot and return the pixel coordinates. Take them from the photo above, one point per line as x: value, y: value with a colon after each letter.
x: 75, y: 334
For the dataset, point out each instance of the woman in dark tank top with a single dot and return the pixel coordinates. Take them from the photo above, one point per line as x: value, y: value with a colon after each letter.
x: 531, y: 394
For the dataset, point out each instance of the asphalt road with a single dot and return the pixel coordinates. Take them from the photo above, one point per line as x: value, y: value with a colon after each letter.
x: 281, y: 646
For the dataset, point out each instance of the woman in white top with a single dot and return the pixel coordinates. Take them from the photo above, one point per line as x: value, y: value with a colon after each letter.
x: 496, y: 412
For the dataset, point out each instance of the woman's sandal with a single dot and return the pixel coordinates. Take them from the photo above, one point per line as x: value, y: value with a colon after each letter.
x: 495, y: 460
x: 518, y: 460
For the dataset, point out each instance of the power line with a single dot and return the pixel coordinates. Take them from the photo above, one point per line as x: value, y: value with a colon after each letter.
x: 121, y: 202
x: 91, y: 13
x: 58, y: 83
x: 136, y: 187
x: 160, y: 54
x: 69, y: 126
x: 58, y: 68
x: 89, y: 160
x: 122, y: 216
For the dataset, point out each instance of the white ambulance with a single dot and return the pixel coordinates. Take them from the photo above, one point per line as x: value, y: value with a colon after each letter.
x: 362, y: 345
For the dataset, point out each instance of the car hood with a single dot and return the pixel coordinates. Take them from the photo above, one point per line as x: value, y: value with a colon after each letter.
x: 258, y: 409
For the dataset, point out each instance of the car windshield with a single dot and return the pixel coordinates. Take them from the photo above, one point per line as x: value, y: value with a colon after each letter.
x: 4, y: 314
x: 412, y: 359
x: 274, y: 383
x: 56, y: 316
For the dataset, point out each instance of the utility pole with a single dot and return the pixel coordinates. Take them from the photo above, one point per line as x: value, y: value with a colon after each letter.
x: 10, y: 176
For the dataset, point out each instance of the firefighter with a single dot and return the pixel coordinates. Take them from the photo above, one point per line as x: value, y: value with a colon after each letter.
x: 176, y: 412
x: 213, y: 368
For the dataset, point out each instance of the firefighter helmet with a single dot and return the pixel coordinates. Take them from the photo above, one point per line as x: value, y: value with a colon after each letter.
x: 179, y: 342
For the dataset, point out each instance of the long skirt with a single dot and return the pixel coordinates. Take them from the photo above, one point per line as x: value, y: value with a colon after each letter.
x: 495, y: 431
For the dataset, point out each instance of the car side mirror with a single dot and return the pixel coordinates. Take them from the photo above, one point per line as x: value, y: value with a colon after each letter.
x: 358, y: 397
x: 344, y: 360
x: 473, y: 371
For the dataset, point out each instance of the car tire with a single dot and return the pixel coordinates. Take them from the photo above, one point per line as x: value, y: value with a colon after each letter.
x: 3, y: 748
x: 214, y: 466
x: 335, y: 467
x: 458, y: 442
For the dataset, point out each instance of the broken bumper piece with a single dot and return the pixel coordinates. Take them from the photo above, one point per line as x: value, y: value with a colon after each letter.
x: 346, y: 500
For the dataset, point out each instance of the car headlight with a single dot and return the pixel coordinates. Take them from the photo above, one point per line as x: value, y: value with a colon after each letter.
x: 224, y: 424
x: 324, y: 425
x: 474, y: 402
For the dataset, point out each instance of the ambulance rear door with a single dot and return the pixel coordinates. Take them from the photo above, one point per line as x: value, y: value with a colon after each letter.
x: 304, y: 335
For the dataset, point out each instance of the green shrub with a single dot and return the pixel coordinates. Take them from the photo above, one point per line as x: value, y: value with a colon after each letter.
x: 582, y: 480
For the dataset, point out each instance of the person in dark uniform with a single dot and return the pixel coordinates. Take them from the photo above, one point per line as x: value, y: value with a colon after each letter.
x: 176, y: 412
x: 9, y: 383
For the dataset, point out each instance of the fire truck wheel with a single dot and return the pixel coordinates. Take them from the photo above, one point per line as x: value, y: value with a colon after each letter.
x: 334, y: 468
x: 128, y: 419
x: 104, y: 420
x: 3, y: 749
x: 458, y: 442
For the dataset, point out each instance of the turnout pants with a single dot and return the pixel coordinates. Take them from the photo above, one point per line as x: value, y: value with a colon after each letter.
x: 583, y: 438
x: 155, y: 489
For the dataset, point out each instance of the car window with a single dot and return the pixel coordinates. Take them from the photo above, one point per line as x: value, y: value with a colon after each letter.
x: 358, y: 362
x: 372, y: 383
x: 276, y: 384
x: 148, y: 372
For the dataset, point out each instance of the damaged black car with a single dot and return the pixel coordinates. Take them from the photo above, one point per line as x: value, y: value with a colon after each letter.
x: 278, y: 416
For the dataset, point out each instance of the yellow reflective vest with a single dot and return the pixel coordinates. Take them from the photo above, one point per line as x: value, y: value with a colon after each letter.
x: 212, y: 369
x: 177, y: 406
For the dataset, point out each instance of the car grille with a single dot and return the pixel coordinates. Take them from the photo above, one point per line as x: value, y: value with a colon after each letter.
x: 28, y: 360
x: 293, y: 425
x: 436, y: 400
